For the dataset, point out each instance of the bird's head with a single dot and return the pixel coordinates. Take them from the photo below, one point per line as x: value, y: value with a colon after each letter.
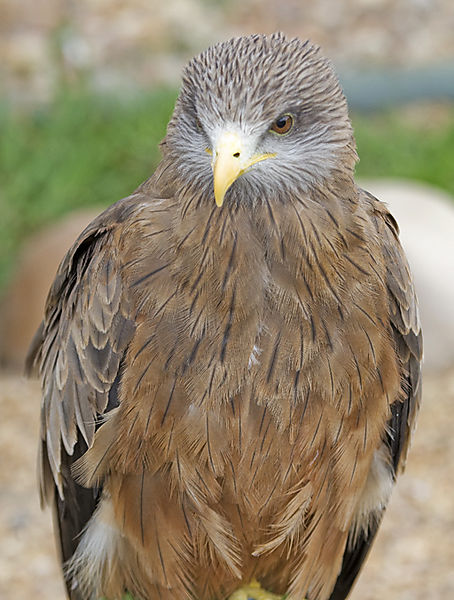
x: 259, y: 115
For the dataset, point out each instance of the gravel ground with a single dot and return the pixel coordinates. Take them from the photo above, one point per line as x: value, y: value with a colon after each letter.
x: 412, y: 560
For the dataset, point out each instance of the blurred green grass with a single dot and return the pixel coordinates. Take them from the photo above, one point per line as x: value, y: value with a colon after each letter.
x: 83, y: 150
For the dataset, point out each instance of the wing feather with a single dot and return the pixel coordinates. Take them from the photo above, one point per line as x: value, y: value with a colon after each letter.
x: 81, y: 342
x: 406, y: 330
x: 78, y: 351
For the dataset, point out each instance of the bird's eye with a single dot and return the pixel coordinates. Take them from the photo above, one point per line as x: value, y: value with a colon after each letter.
x: 198, y: 124
x: 282, y: 125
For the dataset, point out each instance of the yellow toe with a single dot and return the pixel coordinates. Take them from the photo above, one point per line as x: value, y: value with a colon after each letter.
x: 253, y: 591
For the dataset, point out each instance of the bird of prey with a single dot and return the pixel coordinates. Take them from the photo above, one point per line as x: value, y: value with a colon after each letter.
x: 231, y: 355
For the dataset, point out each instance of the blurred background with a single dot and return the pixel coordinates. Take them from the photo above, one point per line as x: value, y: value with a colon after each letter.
x: 86, y: 89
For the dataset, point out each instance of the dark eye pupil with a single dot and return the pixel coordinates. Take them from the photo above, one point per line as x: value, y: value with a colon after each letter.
x: 282, y: 125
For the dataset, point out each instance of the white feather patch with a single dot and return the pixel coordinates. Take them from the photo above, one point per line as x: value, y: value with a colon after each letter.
x: 253, y: 358
x: 376, y: 493
x: 95, y: 554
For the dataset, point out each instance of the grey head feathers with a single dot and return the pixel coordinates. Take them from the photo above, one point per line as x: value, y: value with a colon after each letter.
x: 245, y: 84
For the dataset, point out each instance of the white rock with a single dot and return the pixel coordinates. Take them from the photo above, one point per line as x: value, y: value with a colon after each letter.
x: 426, y: 219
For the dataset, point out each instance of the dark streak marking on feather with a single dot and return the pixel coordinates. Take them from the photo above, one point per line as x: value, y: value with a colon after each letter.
x: 252, y: 458
x: 273, y: 359
x: 232, y: 405
x: 170, y: 356
x: 336, y: 437
x: 196, y: 321
x: 100, y: 461
x: 352, y: 262
x: 230, y: 264
x: 142, y: 531
x: 194, y: 301
x: 331, y: 245
x: 256, y: 470
x: 202, y: 398
x: 343, y: 240
x: 142, y: 348
x: 148, y: 418
x: 139, y: 381
x: 365, y: 433
x: 164, y: 304
x: 300, y: 201
x: 239, y: 430
x: 168, y: 403
x: 187, y: 206
x: 358, y: 417
x: 331, y: 377
x: 328, y: 337
x: 262, y: 419
x: 149, y: 235
x: 374, y: 269
x: 223, y: 380
x: 186, y: 519
x: 303, y: 412
x: 210, y: 385
x: 210, y: 456
x: 184, y: 238
x: 360, y: 379
x: 314, y: 333
x: 161, y: 560
x: 265, y: 435
x: 326, y: 278
x: 309, y: 291
x: 316, y: 234
x: 303, y: 229
x: 371, y: 346
x: 204, y: 256
x: 290, y: 464
x: 194, y: 351
x: 365, y: 313
x: 207, y: 227
x: 354, y: 467
x: 331, y: 216
x: 240, y: 516
x: 283, y: 248
x: 316, y: 429
x: 202, y: 482
x: 177, y: 459
x: 233, y: 474
x: 356, y: 235
x: 380, y: 378
x: 197, y: 279
x: 268, y: 499
x: 148, y: 275
x: 228, y: 327
x: 322, y: 485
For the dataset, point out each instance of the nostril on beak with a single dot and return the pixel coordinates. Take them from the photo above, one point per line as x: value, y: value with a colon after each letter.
x: 236, y: 155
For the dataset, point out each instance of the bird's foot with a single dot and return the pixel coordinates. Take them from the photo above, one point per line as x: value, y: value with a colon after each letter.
x: 253, y: 591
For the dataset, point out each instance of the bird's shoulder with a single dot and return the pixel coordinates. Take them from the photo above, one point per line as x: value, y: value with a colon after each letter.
x: 103, y: 244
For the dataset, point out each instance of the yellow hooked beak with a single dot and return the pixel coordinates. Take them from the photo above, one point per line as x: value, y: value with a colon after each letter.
x: 231, y: 159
